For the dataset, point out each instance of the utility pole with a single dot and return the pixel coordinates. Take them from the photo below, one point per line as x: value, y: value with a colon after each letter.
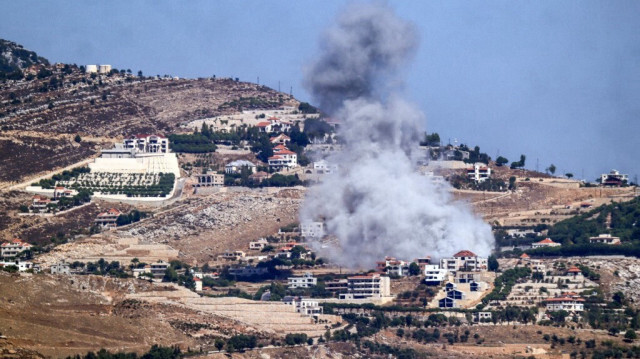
x: 258, y: 80
x: 291, y: 91
x: 278, y: 85
x: 537, y: 165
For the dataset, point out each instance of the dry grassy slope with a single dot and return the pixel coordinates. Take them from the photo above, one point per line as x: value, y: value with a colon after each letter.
x: 59, y: 316
x: 120, y: 106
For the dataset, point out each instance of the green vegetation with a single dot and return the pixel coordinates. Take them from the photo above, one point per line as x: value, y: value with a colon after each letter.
x: 519, y: 164
x: 178, y: 272
x: 305, y: 107
x: 102, y: 267
x: 156, y: 352
x: 132, y: 217
x: 504, y: 283
x: 9, y: 69
x: 430, y: 139
x: 501, y: 161
x: 250, y: 103
x: 195, y: 143
x: 49, y: 183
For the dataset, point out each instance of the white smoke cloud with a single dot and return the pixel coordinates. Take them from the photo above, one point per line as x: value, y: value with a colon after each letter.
x: 377, y: 204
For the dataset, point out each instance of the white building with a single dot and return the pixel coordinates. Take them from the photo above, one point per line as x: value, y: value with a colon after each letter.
x: 605, y: 238
x: 282, y: 158
x: 62, y: 192
x: 147, y: 143
x: 60, y: 268
x: 392, y: 266
x: 568, y: 303
x: 479, y: 172
x: 209, y: 180
x: 21, y: 265
x: 259, y: 244
x: 481, y: 316
x: 547, y: 242
x: 434, y: 275
x: 104, y: 69
x: 306, y: 281
x: 13, y: 248
x: 465, y: 261
x: 305, y: 306
x: 613, y: 178
x: 91, y: 69
x: 312, y: 230
x: 236, y: 167
x: 198, y: 284
x: 372, y: 285
x: 40, y: 203
x: 323, y: 167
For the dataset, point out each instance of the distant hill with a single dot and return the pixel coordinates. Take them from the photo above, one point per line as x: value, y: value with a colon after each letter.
x: 14, y: 59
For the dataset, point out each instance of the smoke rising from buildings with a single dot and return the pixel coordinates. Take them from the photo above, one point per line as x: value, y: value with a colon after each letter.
x: 377, y: 204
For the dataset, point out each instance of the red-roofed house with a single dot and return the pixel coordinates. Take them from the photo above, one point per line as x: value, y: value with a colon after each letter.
x: 574, y: 271
x: 547, y: 242
x: 60, y: 192
x: 283, y: 158
x: 464, y: 261
x: 108, y: 219
x: 568, y: 303
x: 39, y: 203
x: 264, y: 126
x: 393, y: 266
x: 13, y: 248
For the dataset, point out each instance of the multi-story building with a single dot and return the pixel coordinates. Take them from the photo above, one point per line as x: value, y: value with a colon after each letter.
x: 62, y: 192
x: 21, y: 265
x: 605, y: 238
x: 312, y: 230
x: 372, y: 285
x: 159, y: 268
x: 434, y: 275
x: 209, y: 179
x: 464, y: 260
x: 60, y: 268
x: 337, y: 286
x: 13, y: 248
x: 306, y: 281
x: 392, y: 266
x: 613, y: 178
x: 282, y: 159
x: 306, y: 306
x: 147, y: 143
x: 40, y: 203
x: 324, y: 167
x: 259, y: 244
x: 108, y: 219
x: 479, y: 172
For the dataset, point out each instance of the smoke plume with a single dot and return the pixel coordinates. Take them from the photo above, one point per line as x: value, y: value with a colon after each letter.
x: 377, y: 204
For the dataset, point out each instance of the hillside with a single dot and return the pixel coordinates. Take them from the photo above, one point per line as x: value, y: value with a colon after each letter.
x: 14, y: 59
x: 41, y: 113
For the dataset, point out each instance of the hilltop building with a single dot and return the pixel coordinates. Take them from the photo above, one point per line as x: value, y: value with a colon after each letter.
x: 13, y: 248
x: 434, y: 275
x: 479, y: 172
x: 613, y: 178
x: 371, y: 285
x: 147, y: 143
x: 306, y: 281
x: 108, y: 219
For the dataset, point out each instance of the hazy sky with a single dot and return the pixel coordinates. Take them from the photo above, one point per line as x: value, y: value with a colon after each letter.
x: 554, y: 80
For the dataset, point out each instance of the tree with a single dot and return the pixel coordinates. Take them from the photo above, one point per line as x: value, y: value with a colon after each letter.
x: 493, y: 263
x: 614, y: 331
x: 569, y: 175
x: 414, y: 268
x: 551, y: 169
x: 512, y: 182
x: 501, y: 161
x: 139, y: 73
x: 630, y: 335
x: 219, y: 344
x: 78, y: 139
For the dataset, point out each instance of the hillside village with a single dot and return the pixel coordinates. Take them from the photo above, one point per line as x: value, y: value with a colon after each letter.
x: 185, y: 219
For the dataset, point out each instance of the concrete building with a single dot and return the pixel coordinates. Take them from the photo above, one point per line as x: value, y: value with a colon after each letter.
x: 372, y: 285
x: 337, y: 286
x: 119, y: 151
x: 312, y: 230
x: 392, y: 266
x: 481, y: 316
x: 434, y: 275
x: 62, y: 192
x: 22, y: 266
x: 614, y: 178
x: 258, y: 245
x: 605, y: 238
x: 61, y: 268
x: 568, y: 303
x: 324, y: 167
x: 305, y: 306
x: 209, y: 179
x: 447, y: 302
x: 108, y: 219
x: 282, y: 159
x: 547, y: 242
x: 104, y: 69
x: 306, y: 281
x: 147, y: 143
x: 13, y: 248
x: 465, y: 261
x: 91, y: 69
x: 40, y: 203
x: 479, y: 172
x: 280, y: 139
x: 159, y: 268
x: 236, y: 167
x: 198, y: 284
